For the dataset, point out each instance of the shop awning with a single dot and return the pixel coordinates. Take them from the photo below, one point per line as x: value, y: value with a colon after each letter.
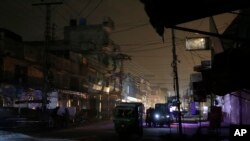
x: 230, y: 71
x: 167, y: 13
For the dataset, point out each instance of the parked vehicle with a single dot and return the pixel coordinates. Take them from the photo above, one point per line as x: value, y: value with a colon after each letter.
x: 128, y: 118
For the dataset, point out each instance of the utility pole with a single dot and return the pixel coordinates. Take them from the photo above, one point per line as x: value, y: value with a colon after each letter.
x: 122, y: 57
x: 46, y: 47
x: 53, y: 36
x: 176, y: 81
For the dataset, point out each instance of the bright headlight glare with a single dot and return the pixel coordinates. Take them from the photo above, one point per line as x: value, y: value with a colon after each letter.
x: 157, y: 115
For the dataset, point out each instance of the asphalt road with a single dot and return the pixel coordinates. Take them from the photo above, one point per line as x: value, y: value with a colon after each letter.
x: 104, y: 131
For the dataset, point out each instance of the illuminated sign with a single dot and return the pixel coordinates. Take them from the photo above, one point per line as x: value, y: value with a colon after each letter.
x: 197, y: 43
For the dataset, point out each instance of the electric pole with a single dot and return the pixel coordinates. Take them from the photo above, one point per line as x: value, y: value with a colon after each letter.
x: 46, y: 47
x: 176, y: 81
x: 122, y: 57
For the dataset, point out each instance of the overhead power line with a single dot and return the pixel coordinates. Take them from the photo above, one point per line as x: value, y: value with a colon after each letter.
x: 145, y: 48
x: 84, y: 8
x: 141, y: 68
x: 131, y: 28
x: 142, y: 44
x: 91, y: 12
x: 148, y: 49
x: 70, y: 8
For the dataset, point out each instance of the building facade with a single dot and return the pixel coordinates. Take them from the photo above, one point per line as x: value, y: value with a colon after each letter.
x: 79, y: 71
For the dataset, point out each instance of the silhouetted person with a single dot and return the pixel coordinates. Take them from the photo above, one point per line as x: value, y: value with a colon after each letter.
x: 149, y: 116
x: 66, y: 117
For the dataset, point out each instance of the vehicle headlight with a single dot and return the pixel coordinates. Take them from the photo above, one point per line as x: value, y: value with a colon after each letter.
x: 167, y: 116
x: 157, y: 115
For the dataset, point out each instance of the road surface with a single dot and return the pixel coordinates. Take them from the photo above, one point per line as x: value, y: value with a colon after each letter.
x: 104, y: 131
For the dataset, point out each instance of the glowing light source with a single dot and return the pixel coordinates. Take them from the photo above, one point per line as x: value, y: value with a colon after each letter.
x: 198, y: 43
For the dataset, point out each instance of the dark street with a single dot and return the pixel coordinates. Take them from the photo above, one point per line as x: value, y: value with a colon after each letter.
x: 104, y: 131
x: 124, y: 70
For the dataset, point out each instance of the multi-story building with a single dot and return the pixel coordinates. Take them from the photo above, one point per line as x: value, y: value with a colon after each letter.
x: 79, y: 70
x: 21, y: 72
x: 135, y: 89
x: 12, y: 73
x: 93, y: 42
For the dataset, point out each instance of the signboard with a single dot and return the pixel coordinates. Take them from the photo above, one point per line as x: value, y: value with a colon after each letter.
x: 197, y: 43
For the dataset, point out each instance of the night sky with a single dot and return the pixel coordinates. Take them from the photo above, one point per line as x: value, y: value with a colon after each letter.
x: 136, y: 37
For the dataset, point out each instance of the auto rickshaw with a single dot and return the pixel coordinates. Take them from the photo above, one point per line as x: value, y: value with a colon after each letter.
x: 128, y: 118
